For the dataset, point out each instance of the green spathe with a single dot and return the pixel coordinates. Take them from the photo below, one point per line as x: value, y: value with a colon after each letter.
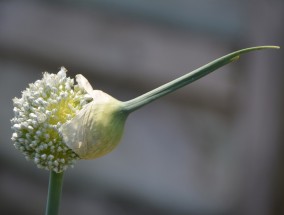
x: 97, y: 128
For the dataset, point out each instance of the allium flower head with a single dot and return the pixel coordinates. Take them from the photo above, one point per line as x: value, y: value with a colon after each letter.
x: 38, y: 115
x: 57, y: 122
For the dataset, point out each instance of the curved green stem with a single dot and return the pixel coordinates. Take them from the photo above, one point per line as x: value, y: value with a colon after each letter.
x: 134, y: 104
x: 54, y: 193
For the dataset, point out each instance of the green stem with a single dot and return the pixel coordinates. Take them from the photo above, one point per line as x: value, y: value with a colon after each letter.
x: 134, y: 104
x: 54, y: 193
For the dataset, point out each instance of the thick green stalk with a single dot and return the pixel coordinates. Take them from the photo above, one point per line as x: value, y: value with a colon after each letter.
x: 54, y: 193
x: 134, y: 104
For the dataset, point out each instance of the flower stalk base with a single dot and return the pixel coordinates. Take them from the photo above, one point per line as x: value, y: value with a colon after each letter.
x: 54, y: 193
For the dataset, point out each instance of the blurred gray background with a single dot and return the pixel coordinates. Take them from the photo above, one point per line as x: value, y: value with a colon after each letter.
x: 212, y: 148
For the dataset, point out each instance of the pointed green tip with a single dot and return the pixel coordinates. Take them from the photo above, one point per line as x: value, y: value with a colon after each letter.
x: 236, y: 55
x: 242, y: 51
x: 268, y: 47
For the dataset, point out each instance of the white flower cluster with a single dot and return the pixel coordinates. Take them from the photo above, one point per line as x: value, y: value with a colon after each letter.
x: 38, y: 115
